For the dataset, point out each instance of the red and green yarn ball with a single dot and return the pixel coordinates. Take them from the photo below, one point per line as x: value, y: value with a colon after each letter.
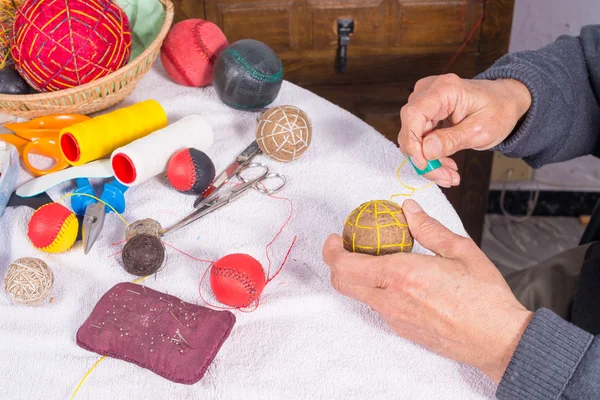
x: 190, y: 50
x: 190, y: 171
x: 60, y: 44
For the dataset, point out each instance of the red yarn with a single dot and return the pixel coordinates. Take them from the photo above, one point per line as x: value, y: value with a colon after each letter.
x: 467, y: 40
x: 59, y: 44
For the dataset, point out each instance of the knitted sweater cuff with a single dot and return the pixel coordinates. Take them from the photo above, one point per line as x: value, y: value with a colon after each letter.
x: 533, y: 81
x: 545, y: 359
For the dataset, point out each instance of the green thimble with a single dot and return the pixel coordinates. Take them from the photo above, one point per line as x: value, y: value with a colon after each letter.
x: 431, y: 165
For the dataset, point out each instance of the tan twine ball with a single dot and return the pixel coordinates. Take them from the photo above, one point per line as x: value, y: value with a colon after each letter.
x: 284, y: 133
x: 377, y: 228
x: 146, y: 226
x: 28, y: 281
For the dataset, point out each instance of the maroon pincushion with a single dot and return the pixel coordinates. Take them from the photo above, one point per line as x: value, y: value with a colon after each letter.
x: 172, y: 338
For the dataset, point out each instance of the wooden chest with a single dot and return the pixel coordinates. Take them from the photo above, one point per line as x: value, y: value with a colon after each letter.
x: 394, y: 43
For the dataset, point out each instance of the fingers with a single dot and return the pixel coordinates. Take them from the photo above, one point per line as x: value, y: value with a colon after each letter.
x: 371, y: 296
x: 424, y: 84
x: 450, y: 163
x: 446, y: 176
x: 365, y: 270
x: 430, y: 233
x: 444, y: 142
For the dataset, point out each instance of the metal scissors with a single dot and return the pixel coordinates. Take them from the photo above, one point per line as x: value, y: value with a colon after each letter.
x: 240, y: 169
x: 240, y: 162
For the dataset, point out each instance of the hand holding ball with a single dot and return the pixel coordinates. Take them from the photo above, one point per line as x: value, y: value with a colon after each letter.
x: 53, y: 228
x: 190, y: 50
x: 377, y: 227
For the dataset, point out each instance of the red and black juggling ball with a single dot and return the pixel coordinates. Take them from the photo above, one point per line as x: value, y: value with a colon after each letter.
x: 191, y: 171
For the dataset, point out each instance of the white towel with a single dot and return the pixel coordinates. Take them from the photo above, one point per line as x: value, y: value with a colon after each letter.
x: 305, y: 341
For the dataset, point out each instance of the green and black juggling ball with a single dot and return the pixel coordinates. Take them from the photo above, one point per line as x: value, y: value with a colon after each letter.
x: 247, y: 75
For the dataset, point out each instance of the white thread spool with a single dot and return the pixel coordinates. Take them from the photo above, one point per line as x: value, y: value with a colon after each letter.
x: 147, y: 157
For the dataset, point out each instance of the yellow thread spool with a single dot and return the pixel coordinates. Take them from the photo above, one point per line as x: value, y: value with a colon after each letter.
x: 100, y: 136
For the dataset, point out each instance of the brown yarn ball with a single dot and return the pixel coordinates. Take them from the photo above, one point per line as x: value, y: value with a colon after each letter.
x: 145, y: 226
x: 28, y: 281
x: 143, y: 255
x: 284, y: 133
x: 377, y: 227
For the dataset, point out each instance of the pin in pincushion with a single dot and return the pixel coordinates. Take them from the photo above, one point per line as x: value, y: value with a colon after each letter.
x: 190, y: 50
x: 190, y: 170
x: 53, y: 228
x: 247, y: 75
x: 62, y: 44
x: 284, y: 133
x: 377, y: 228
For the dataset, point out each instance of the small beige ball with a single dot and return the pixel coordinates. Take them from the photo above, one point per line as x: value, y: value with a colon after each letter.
x: 28, y: 281
x: 377, y: 228
x: 284, y: 133
x: 146, y: 226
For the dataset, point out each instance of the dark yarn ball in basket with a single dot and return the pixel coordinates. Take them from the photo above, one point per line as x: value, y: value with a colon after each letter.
x: 143, y: 255
x: 247, y: 75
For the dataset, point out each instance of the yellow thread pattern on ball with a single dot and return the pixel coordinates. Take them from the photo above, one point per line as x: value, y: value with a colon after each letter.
x: 65, y: 237
x: 377, y: 208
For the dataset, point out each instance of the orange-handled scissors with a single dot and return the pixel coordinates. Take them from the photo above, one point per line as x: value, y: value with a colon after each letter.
x: 40, y: 136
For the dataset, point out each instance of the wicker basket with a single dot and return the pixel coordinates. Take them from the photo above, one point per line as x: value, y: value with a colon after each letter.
x: 93, y: 96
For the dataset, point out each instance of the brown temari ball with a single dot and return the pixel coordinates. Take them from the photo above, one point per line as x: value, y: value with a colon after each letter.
x: 377, y: 227
x: 284, y: 133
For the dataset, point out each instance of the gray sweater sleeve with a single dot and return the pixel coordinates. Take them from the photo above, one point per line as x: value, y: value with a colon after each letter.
x: 553, y: 360
x: 563, y: 78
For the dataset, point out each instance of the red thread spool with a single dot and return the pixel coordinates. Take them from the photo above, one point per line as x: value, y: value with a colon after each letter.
x: 237, y: 280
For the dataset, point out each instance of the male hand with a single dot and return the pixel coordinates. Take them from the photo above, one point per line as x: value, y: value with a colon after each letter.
x: 448, y: 114
x: 455, y: 303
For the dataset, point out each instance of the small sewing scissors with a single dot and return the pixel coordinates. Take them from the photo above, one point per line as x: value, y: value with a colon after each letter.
x: 240, y: 162
x: 240, y: 168
x: 40, y: 136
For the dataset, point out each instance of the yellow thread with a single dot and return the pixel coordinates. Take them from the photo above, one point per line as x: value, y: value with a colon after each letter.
x: 86, y: 375
x: 412, y: 189
x: 97, y: 199
x: 99, y: 360
x: 363, y: 209
x: 377, y: 227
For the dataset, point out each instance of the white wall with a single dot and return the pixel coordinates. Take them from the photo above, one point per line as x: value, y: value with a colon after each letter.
x: 535, y: 24
x: 539, y: 22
